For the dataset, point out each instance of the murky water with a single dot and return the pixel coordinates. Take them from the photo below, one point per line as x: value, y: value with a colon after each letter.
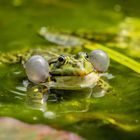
x: 114, y: 116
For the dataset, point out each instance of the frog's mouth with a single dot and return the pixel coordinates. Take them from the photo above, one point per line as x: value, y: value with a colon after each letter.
x: 75, y: 82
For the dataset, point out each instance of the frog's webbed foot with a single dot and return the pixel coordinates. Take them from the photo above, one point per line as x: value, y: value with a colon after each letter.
x: 106, y: 75
x: 101, y: 89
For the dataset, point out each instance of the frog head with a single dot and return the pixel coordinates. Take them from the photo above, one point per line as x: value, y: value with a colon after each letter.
x: 77, y: 65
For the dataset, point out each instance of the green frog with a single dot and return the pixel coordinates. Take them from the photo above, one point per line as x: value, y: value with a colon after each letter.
x: 64, y: 77
x: 65, y: 72
x: 69, y: 76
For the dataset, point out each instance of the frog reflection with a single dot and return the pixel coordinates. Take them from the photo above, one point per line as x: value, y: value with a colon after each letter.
x: 39, y: 97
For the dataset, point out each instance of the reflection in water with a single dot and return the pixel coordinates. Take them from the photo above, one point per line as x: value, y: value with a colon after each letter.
x: 37, y: 96
x: 53, y: 102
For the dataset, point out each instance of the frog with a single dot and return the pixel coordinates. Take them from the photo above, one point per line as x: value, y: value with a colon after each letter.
x: 68, y: 76
x: 65, y: 72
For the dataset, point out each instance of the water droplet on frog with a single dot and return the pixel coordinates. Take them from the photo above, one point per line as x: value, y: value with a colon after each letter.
x: 37, y: 69
x: 99, y: 60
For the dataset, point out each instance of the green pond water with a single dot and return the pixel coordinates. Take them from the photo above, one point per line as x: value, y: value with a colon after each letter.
x: 112, y: 117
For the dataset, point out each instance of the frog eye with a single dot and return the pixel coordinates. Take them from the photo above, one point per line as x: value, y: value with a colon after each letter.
x: 81, y: 55
x: 100, y: 60
x: 86, y: 55
x: 61, y: 58
x: 37, y: 69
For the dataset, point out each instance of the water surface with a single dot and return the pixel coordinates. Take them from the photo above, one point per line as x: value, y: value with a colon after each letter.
x: 114, y: 116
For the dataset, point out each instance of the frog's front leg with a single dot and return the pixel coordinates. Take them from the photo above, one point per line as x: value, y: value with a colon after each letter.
x: 101, y: 88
